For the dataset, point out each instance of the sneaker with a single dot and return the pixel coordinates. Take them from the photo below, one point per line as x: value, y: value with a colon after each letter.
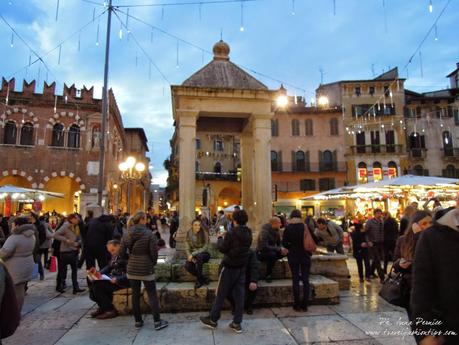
x: 206, y: 321
x: 161, y: 324
x: 236, y: 327
x: 138, y: 324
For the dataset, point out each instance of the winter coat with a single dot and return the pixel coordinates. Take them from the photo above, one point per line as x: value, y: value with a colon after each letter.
x: 293, y: 240
x: 117, y: 269
x: 374, y: 230
x: 235, y: 246
x: 100, y: 231
x: 49, y: 237
x: 253, y: 269
x: 436, y: 276
x: 17, y: 253
x: 67, y: 232
x: 358, y: 237
x: 196, y: 243
x: 269, y: 239
x: 141, y: 245
x: 2, y: 237
x: 390, y: 232
x: 330, y: 236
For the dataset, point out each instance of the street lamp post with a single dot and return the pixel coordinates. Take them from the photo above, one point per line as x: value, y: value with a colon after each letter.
x: 131, y: 171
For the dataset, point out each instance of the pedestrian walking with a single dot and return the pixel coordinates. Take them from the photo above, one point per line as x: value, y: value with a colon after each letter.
x: 139, y: 248
x: 235, y: 245
x: 330, y: 235
x: 374, y: 231
x: 299, y: 259
x: 99, y: 232
x: 17, y: 254
x: 360, y: 251
x: 390, y: 238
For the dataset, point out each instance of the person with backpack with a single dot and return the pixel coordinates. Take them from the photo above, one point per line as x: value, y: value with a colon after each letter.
x: 17, y: 253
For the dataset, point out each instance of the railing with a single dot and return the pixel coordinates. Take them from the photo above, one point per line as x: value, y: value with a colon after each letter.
x: 372, y: 149
x: 308, y: 167
x: 224, y: 176
x: 451, y: 152
x: 418, y: 152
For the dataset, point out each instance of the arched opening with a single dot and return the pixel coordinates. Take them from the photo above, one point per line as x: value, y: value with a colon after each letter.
x: 362, y: 172
x: 9, y: 133
x: 448, y: 144
x: 327, y: 161
x: 229, y: 196
x: 74, y: 136
x: 450, y: 171
x: 218, y: 168
x: 300, y: 160
x: 418, y: 170
x: 392, y: 169
x: 67, y: 186
x: 377, y: 171
x: 27, y: 134
x: 11, y: 206
x: 58, y: 135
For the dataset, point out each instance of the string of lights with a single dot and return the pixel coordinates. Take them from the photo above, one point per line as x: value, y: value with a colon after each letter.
x: 189, y: 3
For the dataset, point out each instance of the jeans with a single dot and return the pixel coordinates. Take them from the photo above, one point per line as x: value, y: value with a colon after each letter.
x: 150, y: 286
x: 68, y: 258
x: 300, y: 268
x: 101, y: 292
x: 376, y: 255
x: 231, y: 281
x: 270, y: 257
x: 363, y: 261
x: 338, y: 248
x: 195, y: 267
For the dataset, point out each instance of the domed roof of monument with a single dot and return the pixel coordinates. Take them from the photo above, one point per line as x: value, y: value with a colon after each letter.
x: 222, y: 73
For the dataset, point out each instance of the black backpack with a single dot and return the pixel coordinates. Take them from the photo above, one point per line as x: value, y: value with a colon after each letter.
x: 10, y: 315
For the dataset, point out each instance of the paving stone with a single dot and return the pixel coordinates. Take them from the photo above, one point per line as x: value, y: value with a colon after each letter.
x: 53, y: 304
x: 310, y: 329
x: 313, y: 310
x: 100, y: 336
x: 384, y: 324
x: 254, y: 332
x: 56, y: 319
x: 408, y: 340
x: 80, y: 302
x: 358, y: 304
x: 189, y: 333
x: 34, y: 337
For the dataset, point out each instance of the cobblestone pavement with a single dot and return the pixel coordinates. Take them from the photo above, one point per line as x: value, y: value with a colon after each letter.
x: 361, y: 318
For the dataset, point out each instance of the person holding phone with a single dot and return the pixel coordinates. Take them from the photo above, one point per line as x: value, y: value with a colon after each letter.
x: 196, y: 247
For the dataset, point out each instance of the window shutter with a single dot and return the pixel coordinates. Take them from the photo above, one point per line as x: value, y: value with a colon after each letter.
x: 279, y: 161
x: 306, y: 162
x: 335, y: 160
x: 293, y: 161
x: 321, y: 164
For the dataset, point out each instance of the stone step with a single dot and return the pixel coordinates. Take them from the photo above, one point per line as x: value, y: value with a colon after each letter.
x: 181, y: 297
x: 330, y: 266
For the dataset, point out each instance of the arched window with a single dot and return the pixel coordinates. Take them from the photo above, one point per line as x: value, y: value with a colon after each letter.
x: 274, y: 161
x: 9, y: 134
x: 327, y: 161
x: 334, y: 129
x: 218, y: 168
x: 308, y: 127
x: 295, y: 127
x: 300, y: 160
x: 26, y: 134
x: 363, y: 172
x: 448, y: 144
x: 418, y: 170
x: 74, y: 136
x: 218, y: 145
x: 377, y: 171
x: 450, y: 171
x: 392, y: 169
x: 58, y: 135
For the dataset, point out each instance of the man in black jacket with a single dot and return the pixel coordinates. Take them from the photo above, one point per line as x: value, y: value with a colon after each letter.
x: 434, y: 301
x: 100, y: 231
x: 235, y: 245
x: 390, y: 238
x: 101, y: 291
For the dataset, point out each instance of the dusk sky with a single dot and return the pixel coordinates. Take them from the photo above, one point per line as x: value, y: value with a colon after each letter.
x: 287, y: 40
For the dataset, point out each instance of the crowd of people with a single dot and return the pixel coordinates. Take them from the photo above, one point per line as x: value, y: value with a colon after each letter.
x: 424, y: 248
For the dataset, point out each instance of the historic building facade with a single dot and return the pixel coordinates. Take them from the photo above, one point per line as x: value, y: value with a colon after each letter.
x: 51, y: 142
x: 307, y: 153
x: 373, y: 117
x: 432, y: 129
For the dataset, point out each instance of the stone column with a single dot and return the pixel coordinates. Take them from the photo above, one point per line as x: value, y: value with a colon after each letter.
x: 247, y: 184
x: 261, y: 127
x: 187, y: 178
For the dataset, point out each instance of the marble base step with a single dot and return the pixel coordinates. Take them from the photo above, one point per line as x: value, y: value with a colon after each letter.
x: 182, y: 297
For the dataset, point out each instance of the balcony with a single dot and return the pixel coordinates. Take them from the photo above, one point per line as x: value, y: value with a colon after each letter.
x: 418, y: 153
x: 451, y: 152
x: 213, y: 176
x: 308, y: 167
x: 376, y: 149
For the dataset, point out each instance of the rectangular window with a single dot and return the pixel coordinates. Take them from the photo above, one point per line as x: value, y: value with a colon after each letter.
x: 386, y: 91
x: 274, y: 128
x: 309, y: 128
x: 295, y: 127
x: 307, y: 184
x: 198, y: 144
x: 360, y: 142
x: 218, y: 145
x: 358, y: 91
x: 371, y: 90
x: 326, y: 184
x: 390, y: 141
x: 456, y: 117
x: 375, y: 142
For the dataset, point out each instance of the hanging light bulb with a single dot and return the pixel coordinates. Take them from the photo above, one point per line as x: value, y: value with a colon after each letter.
x: 430, y: 6
x: 12, y: 39
x: 415, y: 134
x: 120, y: 35
x: 242, y: 17
x: 59, y: 57
x: 97, y: 34
x: 446, y: 140
x: 293, y: 7
x: 436, y: 33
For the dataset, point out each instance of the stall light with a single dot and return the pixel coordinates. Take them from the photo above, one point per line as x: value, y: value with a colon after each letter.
x: 3, y: 195
x: 41, y: 197
x: 15, y: 195
x: 22, y: 196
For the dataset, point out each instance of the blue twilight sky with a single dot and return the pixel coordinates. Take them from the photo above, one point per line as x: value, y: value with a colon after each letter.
x: 354, y: 42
